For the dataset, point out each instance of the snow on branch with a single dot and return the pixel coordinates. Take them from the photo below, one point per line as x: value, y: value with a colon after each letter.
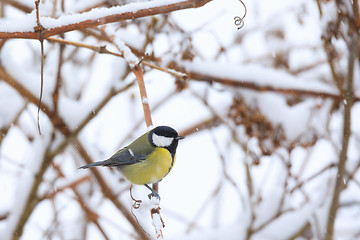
x: 261, y: 79
x: 24, y: 28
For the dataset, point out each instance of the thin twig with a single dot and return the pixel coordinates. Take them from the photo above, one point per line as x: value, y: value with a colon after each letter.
x: 41, y: 84
x: 99, y: 49
x: 202, y: 125
x: 55, y: 94
x: 319, y: 7
x: 318, y: 173
x: 39, y: 30
x: 67, y: 186
x: 330, y: 52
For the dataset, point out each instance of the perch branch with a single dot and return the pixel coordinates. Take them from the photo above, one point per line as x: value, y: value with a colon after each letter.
x: 155, y: 211
x: 144, y: 99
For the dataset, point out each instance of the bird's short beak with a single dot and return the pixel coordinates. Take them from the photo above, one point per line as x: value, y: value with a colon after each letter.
x: 179, y: 137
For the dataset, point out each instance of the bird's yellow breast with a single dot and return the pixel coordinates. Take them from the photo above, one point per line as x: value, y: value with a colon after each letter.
x: 151, y: 170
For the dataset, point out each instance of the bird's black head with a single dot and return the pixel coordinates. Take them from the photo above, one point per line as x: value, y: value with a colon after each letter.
x: 165, y: 137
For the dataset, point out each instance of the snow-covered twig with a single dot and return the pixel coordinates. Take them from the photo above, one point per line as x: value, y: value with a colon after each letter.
x: 93, y: 18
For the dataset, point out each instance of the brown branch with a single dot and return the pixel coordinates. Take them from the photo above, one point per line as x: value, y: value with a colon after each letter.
x: 155, y: 211
x: 18, y: 5
x: 253, y: 86
x: 69, y: 185
x: 99, y: 49
x: 356, y: 13
x: 91, y: 215
x: 319, y: 7
x: 75, y: 25
x: 144, y: 99
x: 301, y: 231
x: 39, y: 30
x: 5, y: 76
x: 102, y: 36
x: 4, y: 216
x: 348, y: 102
x: 55, y: 95
x: 202, y: 125
x: 320, y: 172
x: 2, y: 43
x: 331, y: 55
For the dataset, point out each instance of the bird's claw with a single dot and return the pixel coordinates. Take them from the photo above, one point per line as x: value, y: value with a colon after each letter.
x: 154, y: 194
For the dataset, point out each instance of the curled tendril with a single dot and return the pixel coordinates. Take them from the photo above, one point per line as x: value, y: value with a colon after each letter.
x: 137, y: 202
x: 239, y: 21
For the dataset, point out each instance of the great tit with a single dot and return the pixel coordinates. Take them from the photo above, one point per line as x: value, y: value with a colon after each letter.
x: 146, y: 160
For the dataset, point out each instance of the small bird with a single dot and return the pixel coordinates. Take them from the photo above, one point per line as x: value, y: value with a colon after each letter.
x: 146, y: 160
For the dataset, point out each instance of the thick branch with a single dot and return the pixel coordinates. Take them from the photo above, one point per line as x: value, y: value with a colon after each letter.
x: 348, y: 102
x: 106, y: 15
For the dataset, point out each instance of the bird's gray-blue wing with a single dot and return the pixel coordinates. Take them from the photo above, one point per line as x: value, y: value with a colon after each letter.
x: 123, y: 157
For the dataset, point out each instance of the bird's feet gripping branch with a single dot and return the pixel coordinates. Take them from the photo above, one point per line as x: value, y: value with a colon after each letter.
x: 153, y: 192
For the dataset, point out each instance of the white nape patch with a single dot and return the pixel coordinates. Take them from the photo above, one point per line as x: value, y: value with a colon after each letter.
x: 162, y: 141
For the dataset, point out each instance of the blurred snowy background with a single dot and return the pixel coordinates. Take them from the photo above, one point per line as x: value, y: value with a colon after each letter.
x: 271, y: 116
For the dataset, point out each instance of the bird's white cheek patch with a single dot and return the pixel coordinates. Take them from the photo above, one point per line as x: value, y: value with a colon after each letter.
x: 162, y: 141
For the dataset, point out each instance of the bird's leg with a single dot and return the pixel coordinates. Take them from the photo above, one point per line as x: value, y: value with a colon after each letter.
x: 153, y: 192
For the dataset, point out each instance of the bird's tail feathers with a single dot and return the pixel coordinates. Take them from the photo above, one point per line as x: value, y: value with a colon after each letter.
x: 95, y: 164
